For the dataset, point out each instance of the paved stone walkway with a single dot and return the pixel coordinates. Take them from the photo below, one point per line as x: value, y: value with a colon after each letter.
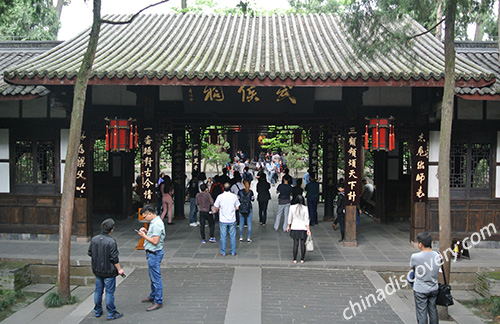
x: 260, y: 284
x: 204, y: 295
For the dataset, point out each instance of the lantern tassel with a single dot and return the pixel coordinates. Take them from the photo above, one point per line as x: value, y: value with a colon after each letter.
x: 135, y: 136
x: 366, y: 138
x: 107, y: 138
x: 393, y: 138
x: 131, y: 144
x: 115, y: 138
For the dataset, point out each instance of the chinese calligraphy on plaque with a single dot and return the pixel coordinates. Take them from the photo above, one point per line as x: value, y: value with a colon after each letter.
x: 352, y: 167
x: 81, y: 177
x: 330, y: 163
x: 148, y: 184
x: 421, y: 168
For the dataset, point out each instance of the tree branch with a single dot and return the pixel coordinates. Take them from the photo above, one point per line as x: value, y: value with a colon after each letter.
x: 104, y: 21
x: 428, y: 31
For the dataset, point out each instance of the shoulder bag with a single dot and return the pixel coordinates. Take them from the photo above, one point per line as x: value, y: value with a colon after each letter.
x: 444, y: 297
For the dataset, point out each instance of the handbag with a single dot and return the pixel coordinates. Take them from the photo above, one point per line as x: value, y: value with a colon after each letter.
x: 444, y: 297
x: 309, y: 243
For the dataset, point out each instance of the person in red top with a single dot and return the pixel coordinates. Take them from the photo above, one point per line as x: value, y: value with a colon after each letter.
x: 204, y: 201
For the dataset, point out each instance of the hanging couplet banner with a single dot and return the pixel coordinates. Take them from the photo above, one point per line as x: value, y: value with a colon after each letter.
x: 314, y: 154
x: 196, y: 152
x: 352, y: 180
x: 330, y: 163
x: 178, y: 158
x: 421, y: 167
x: 148, y: 176
x: 250, y: 98
x: 82, y: 168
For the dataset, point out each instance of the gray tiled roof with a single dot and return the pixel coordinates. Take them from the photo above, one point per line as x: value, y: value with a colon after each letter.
x: 191, y: 48
x: 14, y: 53
x: 484, y: 54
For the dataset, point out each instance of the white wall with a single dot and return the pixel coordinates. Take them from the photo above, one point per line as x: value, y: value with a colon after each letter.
x: 4, y: 166
x: 64, y: 149
x: 433, y: 183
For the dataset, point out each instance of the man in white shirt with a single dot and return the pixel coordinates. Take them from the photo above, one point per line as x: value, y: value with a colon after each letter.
x: 226, y: 204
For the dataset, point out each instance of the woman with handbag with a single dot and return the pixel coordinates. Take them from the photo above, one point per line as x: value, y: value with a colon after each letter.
x: 298, y: 226
x: 426, y: 265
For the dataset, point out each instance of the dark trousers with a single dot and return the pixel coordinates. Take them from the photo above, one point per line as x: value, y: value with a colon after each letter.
x: 341, y: 220
x: 205, y: 216
x: 312, y: 206
x: 296, y: 248
x: 263, y: 211
x: 425, y: 304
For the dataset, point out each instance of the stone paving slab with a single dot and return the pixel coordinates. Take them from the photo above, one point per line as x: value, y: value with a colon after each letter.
x: 318, y: 296
x: 191, y: 295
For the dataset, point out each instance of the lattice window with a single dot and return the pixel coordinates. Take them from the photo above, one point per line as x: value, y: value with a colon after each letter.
x: 30, y: 152
x: 46, y: 170
x: 480, y: 165
x: 101, y: 156
x: 24, y: 162
x: 458, y: 165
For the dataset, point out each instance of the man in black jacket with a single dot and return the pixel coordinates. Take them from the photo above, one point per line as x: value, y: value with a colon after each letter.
x: 106, y: 266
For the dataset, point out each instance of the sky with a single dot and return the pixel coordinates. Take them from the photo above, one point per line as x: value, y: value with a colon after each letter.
x: 77, y: 16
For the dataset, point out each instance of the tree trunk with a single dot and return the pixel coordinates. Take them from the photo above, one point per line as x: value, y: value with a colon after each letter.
x: 439, y: 17
x: 183, y: 4
x: 75, y: 132
x: 59, y: 6
x: 479, y: 33
x: 445, y: 139
x: 498, y: 22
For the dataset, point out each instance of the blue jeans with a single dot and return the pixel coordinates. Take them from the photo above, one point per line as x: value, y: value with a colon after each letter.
x: 312, y: 205
x: 249, y: 223
x: 193, y: 209
x: 154, y: 262
x: 282, y: 210
x: 109, y: 284
x: 224, y: 228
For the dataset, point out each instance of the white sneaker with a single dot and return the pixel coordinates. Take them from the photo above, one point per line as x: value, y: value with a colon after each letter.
x: 193, y: 224
x: 197, y: 223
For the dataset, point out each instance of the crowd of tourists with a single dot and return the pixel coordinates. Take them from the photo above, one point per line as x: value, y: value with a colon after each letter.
x: 228, y: 199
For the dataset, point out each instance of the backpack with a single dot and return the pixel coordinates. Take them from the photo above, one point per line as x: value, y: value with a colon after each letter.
x: 245, y: 201
x: 217, y: 189
x: 247, y: 176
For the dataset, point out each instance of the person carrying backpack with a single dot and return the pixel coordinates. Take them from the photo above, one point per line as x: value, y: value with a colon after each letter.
x: 246, y: 197
x: 247, y: 175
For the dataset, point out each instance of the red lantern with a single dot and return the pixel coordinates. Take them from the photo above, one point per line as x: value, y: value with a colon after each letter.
x: 383, y: 137
x: 119, y: 135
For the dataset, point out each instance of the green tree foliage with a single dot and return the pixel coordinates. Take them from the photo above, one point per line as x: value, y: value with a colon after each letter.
x: 317, y: 6
x: 28, y: 19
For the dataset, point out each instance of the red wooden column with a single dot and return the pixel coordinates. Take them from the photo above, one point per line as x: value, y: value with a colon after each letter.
x: 352, y: 184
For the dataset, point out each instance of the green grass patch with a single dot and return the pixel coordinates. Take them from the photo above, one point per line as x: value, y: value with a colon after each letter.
x: 9, y: 298
x: 54, y: 300
x: 27, y: 298
x: 488, y: 308
x: 492, y: 275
